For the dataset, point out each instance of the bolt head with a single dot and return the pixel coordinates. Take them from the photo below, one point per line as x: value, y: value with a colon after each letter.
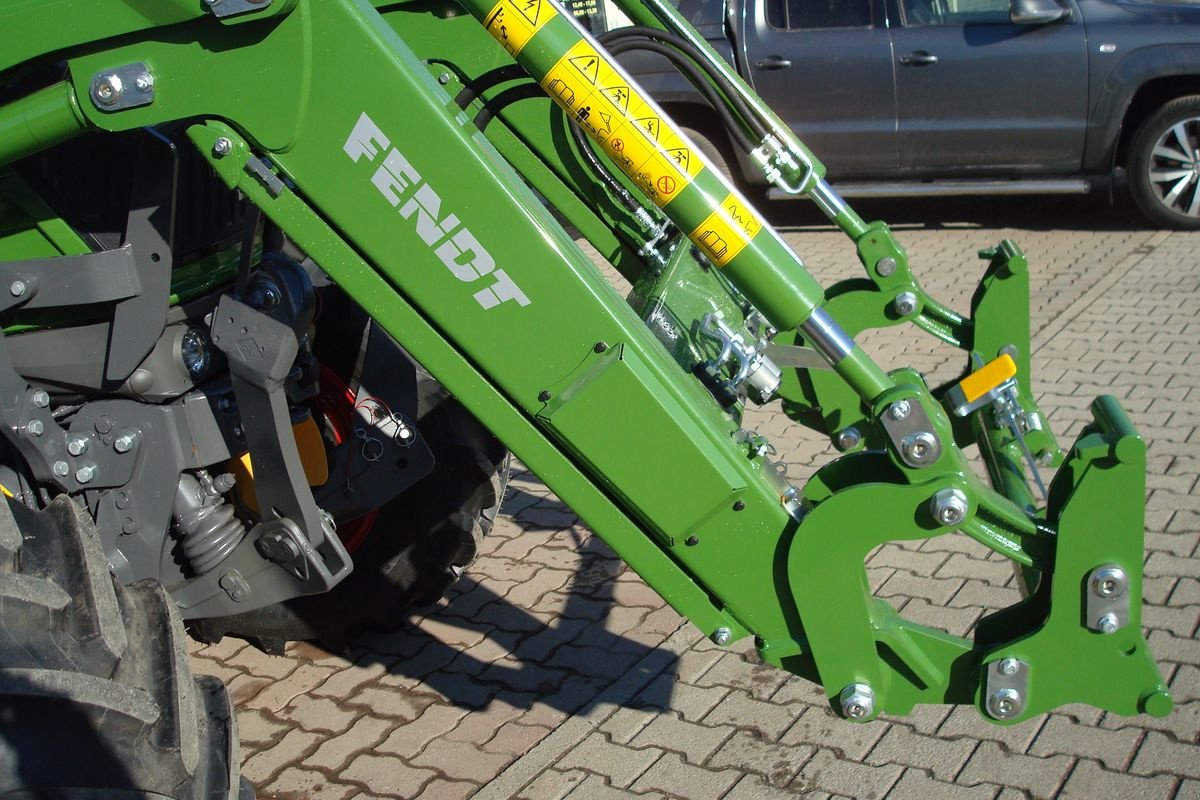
x: 144, y: 82
x: 17, y: 288
x: 886, y: 266
x: 1005, y: 703
x: 1110, y: 581
x: 920, y: 448
x: 949, y: 506
x: 124, y: 442
x: 858, y: 701
x: 62, y: 469
x: 899, y: 410
x: 847, y: 439
x: 223, y: 146
x: 1108, y: 623
x: 85, y: 473
x: 721, y: 636
x: 1009, y: 666
x: 109, y: 89
x: 905, y: 303
x: 77, y: 445
x: 41, y: 398
x: 35, y: 427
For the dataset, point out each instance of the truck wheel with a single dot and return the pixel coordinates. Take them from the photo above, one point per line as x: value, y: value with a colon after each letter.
x: 96, y: 696
x: 1164, y: 164
x: 709, y: 148
x: 419, y: 544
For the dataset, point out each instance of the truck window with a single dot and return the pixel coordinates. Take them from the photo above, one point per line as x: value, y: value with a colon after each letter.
x: 954, y: 12
x: 805, y: 14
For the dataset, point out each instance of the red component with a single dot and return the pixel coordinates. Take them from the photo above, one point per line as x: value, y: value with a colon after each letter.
x: 335, y: 405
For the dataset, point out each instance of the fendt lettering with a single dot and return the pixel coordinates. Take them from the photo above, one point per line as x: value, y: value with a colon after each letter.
x: 401, y: 185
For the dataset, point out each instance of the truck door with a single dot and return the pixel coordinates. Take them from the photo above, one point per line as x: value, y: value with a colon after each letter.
x: 975, y: 91
x: 826, y: 68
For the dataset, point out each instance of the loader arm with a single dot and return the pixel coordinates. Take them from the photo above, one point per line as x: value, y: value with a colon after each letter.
x: 338, y: 120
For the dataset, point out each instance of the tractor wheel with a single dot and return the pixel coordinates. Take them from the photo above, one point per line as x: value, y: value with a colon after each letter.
x: 96, y: 696
x: 419, y: 543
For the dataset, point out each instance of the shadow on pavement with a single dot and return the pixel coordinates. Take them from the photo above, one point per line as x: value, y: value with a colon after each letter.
x: 480, y: 647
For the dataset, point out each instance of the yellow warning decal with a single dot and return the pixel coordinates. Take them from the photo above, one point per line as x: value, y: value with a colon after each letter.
x: 628, y: 129
x: 727, y: 231
x: 514, y: 22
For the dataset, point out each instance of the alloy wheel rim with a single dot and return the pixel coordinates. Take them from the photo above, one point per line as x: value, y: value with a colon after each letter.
x: 1174, y: 169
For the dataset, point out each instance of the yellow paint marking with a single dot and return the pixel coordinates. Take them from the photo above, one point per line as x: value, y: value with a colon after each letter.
x: 988, y: 377
x: 514, y: 22
x: 726, y: 231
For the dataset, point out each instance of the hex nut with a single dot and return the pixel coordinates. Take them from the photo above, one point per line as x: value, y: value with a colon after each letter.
x: 949, y: 506
x: 899, y: 410
x: 41, y: 398
x: 62, y: 469
x: 17, y: 288
x: 77, y: 445
x: 35, y: 427
x: 222, y: 146
x: 905, y: 303
x: 721, y: 636
x: 1009, y: 666
x: 1108, y: 623
x: 857, y: 701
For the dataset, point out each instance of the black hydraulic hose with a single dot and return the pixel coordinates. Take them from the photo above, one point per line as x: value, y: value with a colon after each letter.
x: 584, y: 146
x: 488, y: 80
x: 727, y: 88
x: 694, y: 75
x: 495, y: 105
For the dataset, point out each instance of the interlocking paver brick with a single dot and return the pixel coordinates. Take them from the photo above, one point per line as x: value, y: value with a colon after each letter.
x: 620, y: 764
x: 318, y: 714
x: 386, y: 775
x: 516, y: 738
x: 364, y: 734
x: 594, y: 788
x: 461, y: 760
x: 1160, y: 754
x: 690, y: 702
x: 258, y: 727
x: 965, y: 721
x: 917, y: 785
x: 256, y: 662
x: 735, y: 672
x: 741, y: 710
x: 552, y: 784
x: 309, y: 784
x: 695, y: 742
x: 1063, y: 735
x: 344, y: 682
x: 1089, y: 781
x: 385, y: 702
x: 992, y: 763
x: 828, y: 772
x: 820, y: 727
x: 260, y: 767
x: 443, y: 789
x: 942, y: 759
x: 410, y: 738
x: 672, y: 774
x: 282, y: 692
x: 776, y: 763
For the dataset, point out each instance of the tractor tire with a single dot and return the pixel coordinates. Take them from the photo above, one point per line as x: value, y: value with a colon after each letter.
x: 419, y: 545
x: 96, y: 695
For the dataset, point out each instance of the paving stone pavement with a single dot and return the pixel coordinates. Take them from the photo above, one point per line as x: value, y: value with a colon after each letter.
x: 555, y: 672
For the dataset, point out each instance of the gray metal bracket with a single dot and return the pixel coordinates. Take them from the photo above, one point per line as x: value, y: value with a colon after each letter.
x: 261, y: 352
x: 910, y: 430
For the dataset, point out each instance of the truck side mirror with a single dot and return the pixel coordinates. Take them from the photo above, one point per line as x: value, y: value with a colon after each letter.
x: 1037, y: 12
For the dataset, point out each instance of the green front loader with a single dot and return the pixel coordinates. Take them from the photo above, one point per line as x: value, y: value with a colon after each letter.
x: 282, y: 282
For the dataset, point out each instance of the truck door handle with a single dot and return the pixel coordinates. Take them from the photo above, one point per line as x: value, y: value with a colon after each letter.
x: 918, y: 58
x: 773, y: 62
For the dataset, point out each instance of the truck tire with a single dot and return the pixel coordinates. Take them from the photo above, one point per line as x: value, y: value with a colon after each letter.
x: 1164, y: 172
x: 96, y: 695
x: 711, y: 151
x: 418, y: 547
